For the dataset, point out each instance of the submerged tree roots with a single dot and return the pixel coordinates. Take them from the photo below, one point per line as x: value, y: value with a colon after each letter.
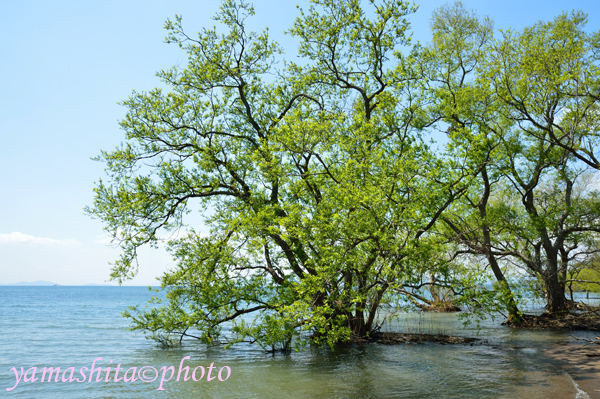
x: 582, y: 317
x: 390, y: 338
x: 441, y: 307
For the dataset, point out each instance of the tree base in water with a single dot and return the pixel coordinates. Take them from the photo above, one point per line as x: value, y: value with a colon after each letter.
x: 440, y: 307
x: 586, y: 319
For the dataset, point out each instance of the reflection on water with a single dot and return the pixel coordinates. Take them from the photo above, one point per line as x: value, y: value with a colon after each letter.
x: 71, y: 326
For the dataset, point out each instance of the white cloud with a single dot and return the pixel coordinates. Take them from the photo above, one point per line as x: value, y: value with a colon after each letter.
x: 103, y: 239
x: 20, y: 238
x: 106, y: 239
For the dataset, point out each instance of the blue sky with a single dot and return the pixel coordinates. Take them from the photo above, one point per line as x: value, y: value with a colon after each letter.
x: 65, y: 65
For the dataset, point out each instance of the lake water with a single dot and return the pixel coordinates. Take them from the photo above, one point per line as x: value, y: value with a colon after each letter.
x: 71, y: 326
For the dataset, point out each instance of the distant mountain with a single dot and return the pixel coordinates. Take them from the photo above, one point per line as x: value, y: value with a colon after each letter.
x: 39, y: 282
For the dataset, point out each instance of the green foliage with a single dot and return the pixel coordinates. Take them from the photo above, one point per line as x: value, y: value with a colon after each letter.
x: 323, y: 199
x: 319, y: 190
x: 521, y: 111
x: 592, y: 276
x: 585, y: 275
x: 541, y: 78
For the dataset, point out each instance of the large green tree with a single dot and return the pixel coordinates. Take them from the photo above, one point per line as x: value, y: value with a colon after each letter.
x: 523, y: 110
x: 541, y: 78
x: 318, y: 193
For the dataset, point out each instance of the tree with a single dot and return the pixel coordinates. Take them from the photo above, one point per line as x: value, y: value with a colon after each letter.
x: 466, y: 109
x: 537, y: 76
x: 521, y: 111
x: 320, y: 192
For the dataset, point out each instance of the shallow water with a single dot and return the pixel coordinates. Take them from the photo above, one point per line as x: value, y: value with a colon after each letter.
x: 71, y: 326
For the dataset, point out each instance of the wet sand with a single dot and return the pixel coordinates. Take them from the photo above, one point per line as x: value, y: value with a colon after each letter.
x: 581, y: 362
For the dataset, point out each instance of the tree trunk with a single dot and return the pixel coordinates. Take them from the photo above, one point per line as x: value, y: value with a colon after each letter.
x: 555, y: 294
x: 433, y: 290
x: 511, y: 305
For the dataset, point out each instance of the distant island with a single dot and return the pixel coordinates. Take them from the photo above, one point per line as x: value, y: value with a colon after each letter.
x: 39, y: 282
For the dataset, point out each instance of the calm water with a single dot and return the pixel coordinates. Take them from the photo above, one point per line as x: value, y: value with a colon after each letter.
x: 71, y: 326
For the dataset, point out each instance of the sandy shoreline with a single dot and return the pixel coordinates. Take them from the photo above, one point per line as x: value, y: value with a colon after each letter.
x: 581, y: 362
